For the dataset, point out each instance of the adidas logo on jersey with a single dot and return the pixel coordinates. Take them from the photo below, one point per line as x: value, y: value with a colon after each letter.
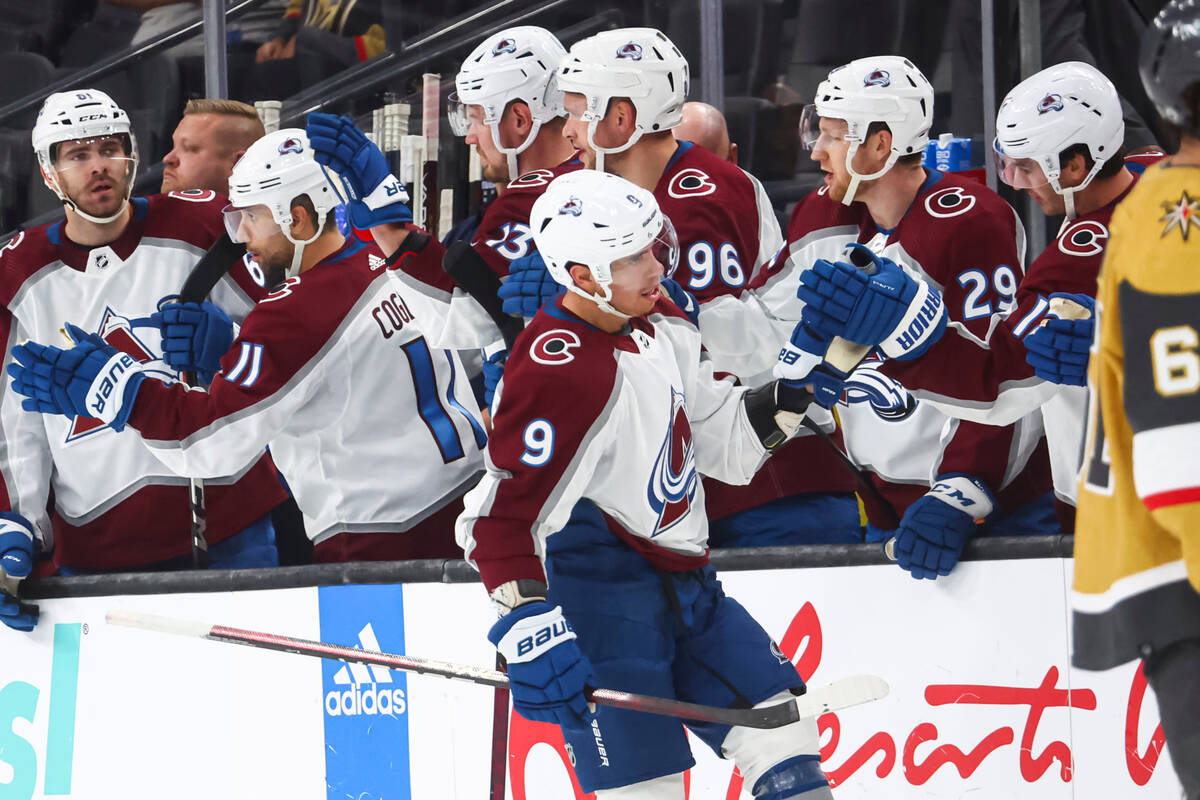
x: 367, y: 692
x: 375, y: 262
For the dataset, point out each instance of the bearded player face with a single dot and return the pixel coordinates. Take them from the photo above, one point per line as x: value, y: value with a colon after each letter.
x: 94, y: 173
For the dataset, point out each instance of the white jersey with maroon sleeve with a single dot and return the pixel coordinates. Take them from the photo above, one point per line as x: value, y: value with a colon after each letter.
x: 374, y: 428
x: 626, y: 420
x: 115, y: 505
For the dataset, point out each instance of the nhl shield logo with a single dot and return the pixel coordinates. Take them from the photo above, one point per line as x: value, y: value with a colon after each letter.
x: 673, y: 482
x: 878, y: 77
x: 292, y: 145
x: 631, y: 51
x: 574, y: 207
x: 1051, y: 102
x: 504, y: 46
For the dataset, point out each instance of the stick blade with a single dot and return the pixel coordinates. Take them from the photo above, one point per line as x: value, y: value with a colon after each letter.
x: 154, y: 622
x: 844, y: 693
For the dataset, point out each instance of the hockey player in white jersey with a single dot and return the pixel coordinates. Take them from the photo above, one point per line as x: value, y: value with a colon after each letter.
x: 106, y: 265
x: 608, y: 397
x: 376, y: 432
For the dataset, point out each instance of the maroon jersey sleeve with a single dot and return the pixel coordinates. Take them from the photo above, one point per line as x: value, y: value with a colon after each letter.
x: 537, y: 444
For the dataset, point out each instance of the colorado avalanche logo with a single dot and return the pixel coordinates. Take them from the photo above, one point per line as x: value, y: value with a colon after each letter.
x: 878, y: 77
x: 673, y: 483
x: 292, y: 145
x: 1051, y: 102
x: 553, y: 348
x: 117, y: 331
x: 1084, y: 238
x: 504, y: 46
x: 631, y: 51
x: 690, y: 182
x: 574, y: 207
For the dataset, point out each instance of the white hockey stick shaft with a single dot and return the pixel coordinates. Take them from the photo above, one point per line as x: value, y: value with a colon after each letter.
x: 840, y: 694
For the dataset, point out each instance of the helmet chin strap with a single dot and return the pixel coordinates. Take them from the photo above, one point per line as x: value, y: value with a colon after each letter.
x: 856, y: 178
x: 511, y: 153
x: 298, y: 252
x: 601, y: 299
x: 600, y: 151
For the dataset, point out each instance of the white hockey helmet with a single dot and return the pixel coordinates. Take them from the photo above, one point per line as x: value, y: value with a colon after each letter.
x: 79, y: 115
x: 887, y: 89
x: 273, y: 172
x: 640, y: 64
x: 1063, y: 105
x: 515, y: 64
x: 596, y: 219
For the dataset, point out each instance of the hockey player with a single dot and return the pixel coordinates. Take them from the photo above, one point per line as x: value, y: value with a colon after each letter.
x: 507, y: 105
x: 1060, y: 139
x: 105, y: 266
x: 624, y: 92
x: 867, y: 130
x: 1137, y: 550
x: 645, y: 416
x: 376, y: 431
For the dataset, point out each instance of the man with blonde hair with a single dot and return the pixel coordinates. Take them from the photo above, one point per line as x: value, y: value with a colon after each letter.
x: 207, y: 142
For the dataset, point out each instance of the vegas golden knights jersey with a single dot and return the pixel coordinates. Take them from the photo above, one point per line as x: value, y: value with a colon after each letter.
x: 1137, y: 535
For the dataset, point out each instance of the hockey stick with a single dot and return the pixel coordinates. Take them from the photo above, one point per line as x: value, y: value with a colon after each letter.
x: 431, y: 92
x: 211, y: 267
x: 840, y: 694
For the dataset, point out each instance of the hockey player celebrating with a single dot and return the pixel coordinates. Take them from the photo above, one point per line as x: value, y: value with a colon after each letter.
x: 1137, y: 551
x: 106, y: 265
x: 646, y: 416
x: 624, y: 92
x: 331, y: 370
x: 867, y: 130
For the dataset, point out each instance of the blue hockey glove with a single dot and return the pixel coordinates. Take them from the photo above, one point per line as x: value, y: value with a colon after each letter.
x: 880, y: 305
x: 547, y: 672
x: 92, y: 379
x: 1058, y: 349
x: 889, y: 399
x: 194, y: 336
x: 682, y: 298
x: 16, y: 562
x: 376, y: 196
x: 935, y: 529
x: 801, y: 362
x: 528, y: 286
x: 493, y: 371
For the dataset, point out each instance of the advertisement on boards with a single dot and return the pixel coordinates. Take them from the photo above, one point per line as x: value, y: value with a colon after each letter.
x: 983, y: 701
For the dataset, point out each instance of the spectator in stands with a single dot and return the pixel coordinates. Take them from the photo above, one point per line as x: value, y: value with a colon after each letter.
x: 207, y: 142
x: 705, y: 125
x: 315, y: 40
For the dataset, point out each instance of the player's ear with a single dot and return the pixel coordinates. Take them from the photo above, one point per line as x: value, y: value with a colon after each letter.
x: 522, y: 117
x: 1074, y: 169
x: 625, y: 116
x: 303, y: 224
x: 582, y: 277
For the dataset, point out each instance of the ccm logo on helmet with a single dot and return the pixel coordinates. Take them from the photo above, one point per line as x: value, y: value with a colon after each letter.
x: 1051, y: 102
x: 1085, y: 238
x: 554, y: 347
x: 630, y: 50
x: 574, y: 207
x: 691, y: 182
x: 505, y: 46
x: 291, y: 146
x: 878, y: 77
